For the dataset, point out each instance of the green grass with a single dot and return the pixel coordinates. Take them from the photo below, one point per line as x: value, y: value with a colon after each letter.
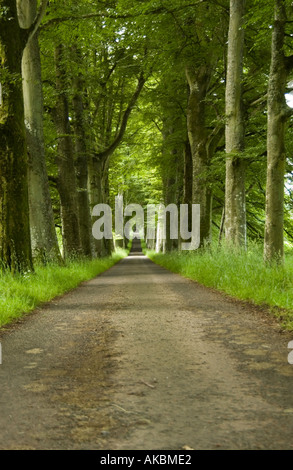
x: 240, y: 274
x: 20, y: 295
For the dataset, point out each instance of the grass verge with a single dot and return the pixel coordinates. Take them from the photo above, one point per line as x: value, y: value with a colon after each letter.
x: 20, y: 295
x: 240, y: 274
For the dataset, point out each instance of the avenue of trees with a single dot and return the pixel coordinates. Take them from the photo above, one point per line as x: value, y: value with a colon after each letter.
x: 181, y: 101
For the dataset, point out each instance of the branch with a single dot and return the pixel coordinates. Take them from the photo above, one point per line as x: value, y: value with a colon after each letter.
x: 40, y: 15
x: 31, y: 31
x: 116, y: 16
x: 63, y: 19
x: 108, y: 152
x: 259, y: 100
x: 214, y: 139
x: 157, y: 126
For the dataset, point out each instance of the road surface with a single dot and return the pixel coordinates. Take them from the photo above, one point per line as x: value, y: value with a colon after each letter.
x: 143, y: 359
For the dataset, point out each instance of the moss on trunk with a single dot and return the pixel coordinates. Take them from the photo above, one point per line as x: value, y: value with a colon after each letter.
x: 277, y: 116
x: 15, y: 246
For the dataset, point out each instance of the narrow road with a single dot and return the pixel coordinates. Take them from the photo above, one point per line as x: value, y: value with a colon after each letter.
x: 140, y: 358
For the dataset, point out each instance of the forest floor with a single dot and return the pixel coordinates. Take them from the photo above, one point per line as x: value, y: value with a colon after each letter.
x: 143, y: 359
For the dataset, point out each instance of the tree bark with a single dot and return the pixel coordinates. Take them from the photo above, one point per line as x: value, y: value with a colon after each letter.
x: 235, y: 207
x: 42, y: 226
x: 67, y: 186
x: 187, y: 181
x: 172, y: 159
x: 276, y: 157
x: 198, y: 80
x: 109, y: 244
x: 15, y: 244
x: 187, y: 177
x: 81, y: 166
x: 96, y: 196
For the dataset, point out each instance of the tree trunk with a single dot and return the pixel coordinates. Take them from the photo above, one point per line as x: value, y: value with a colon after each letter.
x: 82, y: 169
x: 43, y: 234
x: 15, y: 245
x: 169, y: 198
x: 187, y: 182
x: 187, y: 178
x: 96, y: 196
x: 198, y: 80
x: 235, y: 210
x: 172, y: 159
x: 276, y: 158
x: 66, y: 171
x: 108, y: 244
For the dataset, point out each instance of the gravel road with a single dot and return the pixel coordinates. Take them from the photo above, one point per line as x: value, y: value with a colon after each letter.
x: 143, y: 359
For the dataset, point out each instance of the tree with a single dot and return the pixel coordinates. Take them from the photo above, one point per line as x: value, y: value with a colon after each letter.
x: 235, y: 209
x: 14, y: 208
x: 204, y: 130
x: 66, y: 183
x: 82, y: 157
x: 42, y: 227
x: 199, y: 81
x: 276, y: 154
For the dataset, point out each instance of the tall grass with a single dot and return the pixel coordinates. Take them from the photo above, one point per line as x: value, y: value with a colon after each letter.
x: 239, y: 273
x: 21, y: 294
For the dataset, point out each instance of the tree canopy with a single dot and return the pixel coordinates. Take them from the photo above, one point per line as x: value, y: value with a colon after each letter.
x: 143, y: 99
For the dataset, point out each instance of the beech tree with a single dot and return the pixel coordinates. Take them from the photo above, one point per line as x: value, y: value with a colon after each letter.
x: 235, y: 207
x: 15, y: 243
x: 204, y: 137
x: 199, y: 81
x: 42, y: 227
x: 66, y: 182
x: 278, y: 113
x: 82, y: 158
